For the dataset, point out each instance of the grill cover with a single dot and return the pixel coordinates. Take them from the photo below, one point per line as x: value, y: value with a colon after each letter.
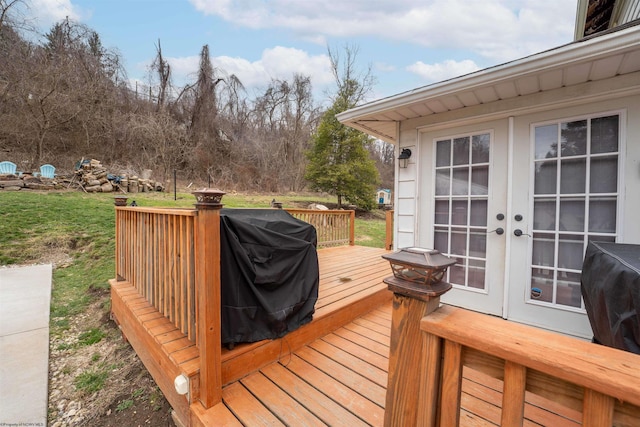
x: 610, y: 287
x: 269, y: 274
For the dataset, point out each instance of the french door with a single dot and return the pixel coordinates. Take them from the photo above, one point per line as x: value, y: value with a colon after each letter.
x: 573, y: 185
x: 466, y: 194
x: 517, y: 215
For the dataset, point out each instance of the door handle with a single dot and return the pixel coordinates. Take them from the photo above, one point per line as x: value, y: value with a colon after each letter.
x: 499, y: 231
x: 517, y: 232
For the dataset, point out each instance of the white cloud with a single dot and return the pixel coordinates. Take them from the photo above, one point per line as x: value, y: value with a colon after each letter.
x: 444, y: 70
x: 384, y: 67
x: 48, y: 12
x: 275, y: 63
x: 499, y: 30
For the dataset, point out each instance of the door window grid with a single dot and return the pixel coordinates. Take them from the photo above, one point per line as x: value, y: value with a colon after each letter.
x: 460, y: 214
x: 575, y: 200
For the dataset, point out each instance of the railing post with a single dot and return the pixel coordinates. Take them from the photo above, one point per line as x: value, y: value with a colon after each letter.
x: 207, y: 278
x: 388, y: 241
x: 414, y: 357
x: 352, y: 228
x: 119, y: 201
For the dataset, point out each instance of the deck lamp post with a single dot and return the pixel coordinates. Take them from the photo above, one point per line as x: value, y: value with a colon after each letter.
x: 414, y: 357
x: 120, y: 200
x: 208, y: 198
x: 404, y: 157
x: 207, y: 282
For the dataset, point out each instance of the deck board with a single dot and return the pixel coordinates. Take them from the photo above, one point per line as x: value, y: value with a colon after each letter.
x: 324, y: 407
x: 361, y: 385
x: 286, y: 408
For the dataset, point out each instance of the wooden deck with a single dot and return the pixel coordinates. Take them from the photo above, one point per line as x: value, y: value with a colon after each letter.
x: 341, y: 380
x: 350, y: 286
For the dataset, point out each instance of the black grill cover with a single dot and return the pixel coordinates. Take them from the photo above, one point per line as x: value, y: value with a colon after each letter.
x: 611, y: 290
x: 269, y: 274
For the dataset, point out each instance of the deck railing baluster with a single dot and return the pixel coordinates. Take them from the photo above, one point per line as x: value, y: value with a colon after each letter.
x: 333, y: 227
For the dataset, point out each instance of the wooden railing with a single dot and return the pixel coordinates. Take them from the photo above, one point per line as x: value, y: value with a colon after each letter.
x: 172, y: 258
x: 155, y: 253
x: 594, y: 384
x: 333, y: 227
x: 600, y: 382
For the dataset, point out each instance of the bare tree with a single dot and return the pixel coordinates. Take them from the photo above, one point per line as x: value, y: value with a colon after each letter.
x: 285, y: 118
x: 352, y: 85
x: 163, y: 70
x: 5, y: 8
x: 59, y: 93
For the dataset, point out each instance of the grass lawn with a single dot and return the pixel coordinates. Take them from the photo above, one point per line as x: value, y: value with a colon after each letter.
x: 75, y: 231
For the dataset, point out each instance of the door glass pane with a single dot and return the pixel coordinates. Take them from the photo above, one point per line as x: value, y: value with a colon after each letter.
x: 546, y: 141
x: 602, y: 215
x: 459, y: 212
x: 460, y: 181
x: 478, y: 213
x: 443, y: 153
x: 573, y: 138
x: 442, y: 212
x: 478, y: 244
x: 570, y: 251
x: 457, y: 274
x: 604, y: 135
x: 546, y: 177
x: 544, y: 214
x: 541, y: 285
x: 568, y: 291
x: 572, y: 215
x: 443, y: 183
x: 441, y: 240
x: 461, y: 151
x: 573, y: 175
x: 458, y: 241
x: 476, y: 273
x: 480, y: 180
x: 480, y: 148
x: 543, y: 250
x: 604, y: 175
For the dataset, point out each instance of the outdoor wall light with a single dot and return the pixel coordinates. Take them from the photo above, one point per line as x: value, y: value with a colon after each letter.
x: 404, y: 156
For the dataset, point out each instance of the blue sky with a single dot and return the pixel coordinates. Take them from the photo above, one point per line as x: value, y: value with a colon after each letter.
x: 407, y: 43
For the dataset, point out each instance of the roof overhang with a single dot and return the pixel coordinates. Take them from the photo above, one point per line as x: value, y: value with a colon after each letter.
x: 598, y: 58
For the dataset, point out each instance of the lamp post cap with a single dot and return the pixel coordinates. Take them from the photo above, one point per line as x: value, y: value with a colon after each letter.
x: 208, y: 198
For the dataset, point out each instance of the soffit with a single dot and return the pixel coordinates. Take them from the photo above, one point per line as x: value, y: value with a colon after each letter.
x: 594, y: 59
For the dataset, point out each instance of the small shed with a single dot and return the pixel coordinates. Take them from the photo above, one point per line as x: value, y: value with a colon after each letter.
x: 383, y: 197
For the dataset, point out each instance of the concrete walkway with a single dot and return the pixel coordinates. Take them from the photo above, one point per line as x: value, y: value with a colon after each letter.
x: 25, y: 296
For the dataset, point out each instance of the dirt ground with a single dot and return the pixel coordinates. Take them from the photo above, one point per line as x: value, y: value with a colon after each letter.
x: 128, y: 395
